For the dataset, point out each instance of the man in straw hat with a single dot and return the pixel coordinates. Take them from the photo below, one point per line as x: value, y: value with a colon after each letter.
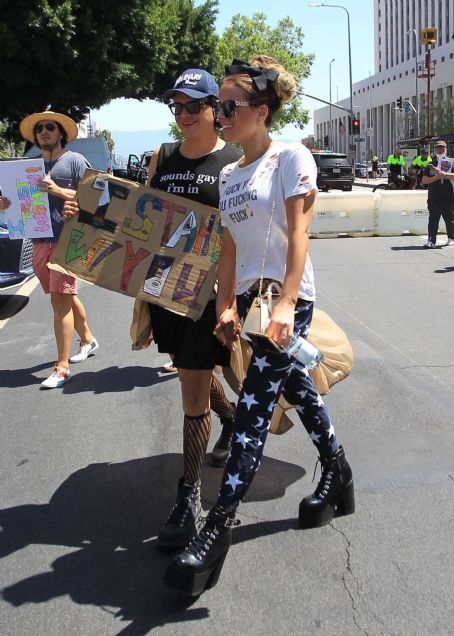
x: 51, y: 132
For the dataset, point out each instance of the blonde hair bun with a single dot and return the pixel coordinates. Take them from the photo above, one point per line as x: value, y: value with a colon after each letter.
x: 285, y: 85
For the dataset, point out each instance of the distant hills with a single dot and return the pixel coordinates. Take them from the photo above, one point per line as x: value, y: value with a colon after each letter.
x: 137, y: 141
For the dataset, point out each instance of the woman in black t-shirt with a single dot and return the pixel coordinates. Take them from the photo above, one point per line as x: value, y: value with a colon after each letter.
x: 191, y: 168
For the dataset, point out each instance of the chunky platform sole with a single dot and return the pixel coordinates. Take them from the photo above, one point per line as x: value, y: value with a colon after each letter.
x: 218, y: 462
x: 318, y: 516
x: 191, y: 582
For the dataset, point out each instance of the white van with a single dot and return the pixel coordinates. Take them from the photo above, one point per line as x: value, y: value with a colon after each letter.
x: 94, y: 149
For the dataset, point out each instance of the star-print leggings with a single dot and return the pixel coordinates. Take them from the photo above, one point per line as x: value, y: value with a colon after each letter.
x: 269, y: 375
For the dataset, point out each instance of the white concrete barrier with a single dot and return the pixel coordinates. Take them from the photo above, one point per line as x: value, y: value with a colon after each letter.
x: 402, y: 212
x: 367, y: 213
x: 343, y: 214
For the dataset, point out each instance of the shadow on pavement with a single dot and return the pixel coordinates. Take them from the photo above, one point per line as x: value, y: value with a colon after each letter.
x: 113, y: 379
x: 409, y: 248
x: 12, y: 304
x: 13, y: 378
x: 111, y: 514
x: 445, y: 270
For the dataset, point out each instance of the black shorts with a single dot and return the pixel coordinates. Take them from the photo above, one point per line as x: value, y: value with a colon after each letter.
x: 191, y: 342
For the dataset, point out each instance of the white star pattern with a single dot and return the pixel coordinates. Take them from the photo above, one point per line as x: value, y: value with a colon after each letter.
x: 320, y: 402
x: 330, y: 430
x: 242, y: 439
x: 271, y: 406
x: 261, y: 363
x: 259, y: 424
x: 274, y: 387
x: 233, y: 481
x: 302, y: 393
x: 249, y: 400
x: 315, y: 438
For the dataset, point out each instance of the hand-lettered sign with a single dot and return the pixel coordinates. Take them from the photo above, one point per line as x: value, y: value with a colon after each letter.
x: 28, y: 215
x: 142, y: 242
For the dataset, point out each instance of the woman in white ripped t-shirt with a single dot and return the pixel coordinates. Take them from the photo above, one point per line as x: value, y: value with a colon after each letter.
x: 250, y: 94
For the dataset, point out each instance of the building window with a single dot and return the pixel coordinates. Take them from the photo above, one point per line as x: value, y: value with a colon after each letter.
x: 406, y: 72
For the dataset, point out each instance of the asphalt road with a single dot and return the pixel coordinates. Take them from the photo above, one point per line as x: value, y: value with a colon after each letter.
x: 88, y: 472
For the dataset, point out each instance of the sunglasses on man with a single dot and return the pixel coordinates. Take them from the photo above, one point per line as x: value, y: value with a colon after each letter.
x: 192, y: 107
x: 40, y: 127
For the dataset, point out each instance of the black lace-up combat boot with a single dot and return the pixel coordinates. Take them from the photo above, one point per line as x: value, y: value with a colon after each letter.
x: 198, y: 567
x: 334, y: 495
x: 180, y: 526
x: 222, y: 447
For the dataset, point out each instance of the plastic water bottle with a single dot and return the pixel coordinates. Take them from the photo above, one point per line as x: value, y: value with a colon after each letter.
x: 304, y: 351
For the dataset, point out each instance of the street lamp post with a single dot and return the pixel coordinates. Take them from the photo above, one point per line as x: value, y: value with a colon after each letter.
x: 339, y: 6
x: 330, y: 140
x: 416, y: 79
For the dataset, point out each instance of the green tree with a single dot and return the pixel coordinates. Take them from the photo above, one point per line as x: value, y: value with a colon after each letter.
x: 246, y: 37
x: 73, y: 55
x: 108, y: 137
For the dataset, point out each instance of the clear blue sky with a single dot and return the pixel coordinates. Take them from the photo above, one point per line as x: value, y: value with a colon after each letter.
x: 325, y: 32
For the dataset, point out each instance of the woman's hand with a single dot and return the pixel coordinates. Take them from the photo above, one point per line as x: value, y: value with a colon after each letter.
x: 70, y: 209
x: 4, y: 204
x: 282, y: 321
x: 227, y: 329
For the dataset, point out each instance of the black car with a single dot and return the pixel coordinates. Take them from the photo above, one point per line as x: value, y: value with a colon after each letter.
x: 334, y: 170
x: 16, y: 259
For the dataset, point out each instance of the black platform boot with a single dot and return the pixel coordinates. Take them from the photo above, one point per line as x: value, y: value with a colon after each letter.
x: 198, y: 567
x: 222, y: 447
x: 334, y: 495
x: 180, y: 526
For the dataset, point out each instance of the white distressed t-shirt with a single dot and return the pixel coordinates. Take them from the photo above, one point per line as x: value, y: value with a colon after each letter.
x: 246, y: 196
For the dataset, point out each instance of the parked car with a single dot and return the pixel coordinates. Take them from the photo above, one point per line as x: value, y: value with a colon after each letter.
x: 16, y: 259
x: 118, y: 171
x: 334, y: 170
x: 361, y: 170
x: 137, y: 169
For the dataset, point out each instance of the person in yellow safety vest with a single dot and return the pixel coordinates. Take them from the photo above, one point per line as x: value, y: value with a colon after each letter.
x: 395, y: 163
x: 419, y: 163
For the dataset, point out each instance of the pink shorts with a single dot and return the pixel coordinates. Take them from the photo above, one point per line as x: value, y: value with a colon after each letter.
x: 51, y: 281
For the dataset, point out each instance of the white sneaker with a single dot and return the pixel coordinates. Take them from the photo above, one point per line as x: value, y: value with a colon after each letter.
x: 449, y: 242
x: 84, y: 351
x: 57, y: 378
x: 169, y: 368
x: 427, y: 245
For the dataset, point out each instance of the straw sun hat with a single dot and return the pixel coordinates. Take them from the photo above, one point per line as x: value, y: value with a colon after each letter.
x: 27, y: 125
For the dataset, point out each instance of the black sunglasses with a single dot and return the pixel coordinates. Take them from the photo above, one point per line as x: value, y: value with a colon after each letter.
x: 193, y: 107
x: 229, y: 107
x: 39, y: 127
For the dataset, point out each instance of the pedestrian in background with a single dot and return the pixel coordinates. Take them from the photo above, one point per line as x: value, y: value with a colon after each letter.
x: 374, y: 167
x: 438, y: 177
x: 193, y: 166
x: 280, y: 177
x: 396, y: 164
x: 64, y: 169
x: 420, y: 162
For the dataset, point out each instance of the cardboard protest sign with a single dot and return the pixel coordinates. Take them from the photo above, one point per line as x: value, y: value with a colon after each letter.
x: 142, y: 242
x: 28, y: 215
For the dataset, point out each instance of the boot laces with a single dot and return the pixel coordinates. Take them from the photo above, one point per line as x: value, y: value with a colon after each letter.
x: 327, y: 476
x: 182, y: 508
x: 201, y: 543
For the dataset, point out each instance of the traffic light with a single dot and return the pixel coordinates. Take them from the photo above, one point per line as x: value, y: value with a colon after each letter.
x: 399, y: 103
x: 356, y: 126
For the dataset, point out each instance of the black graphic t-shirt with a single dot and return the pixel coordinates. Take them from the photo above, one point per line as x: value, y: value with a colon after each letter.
x: 196, y: 179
